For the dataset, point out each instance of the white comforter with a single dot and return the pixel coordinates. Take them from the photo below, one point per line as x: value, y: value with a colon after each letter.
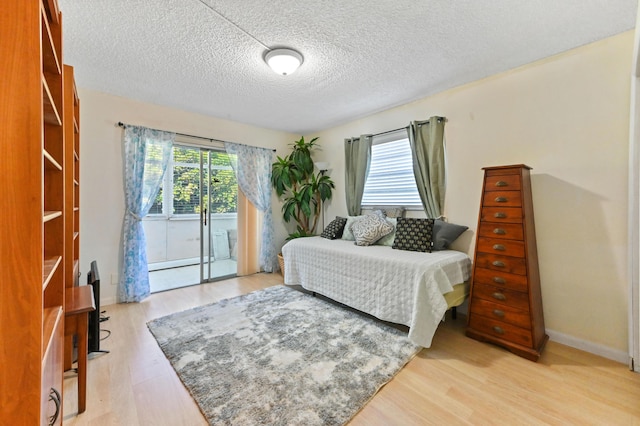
x: 398, y: 286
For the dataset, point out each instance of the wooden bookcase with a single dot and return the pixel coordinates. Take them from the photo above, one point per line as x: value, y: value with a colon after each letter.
x: 32, y: 212
x: 72, y: 192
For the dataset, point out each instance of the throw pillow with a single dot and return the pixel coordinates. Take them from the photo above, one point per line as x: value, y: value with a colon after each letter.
x: 390, y: 212
x: 387, y: 240
x: 370, y: 229
x: 347, y: 234
x: 335, y: 228
x: 413, y: 234
x: 445, y: 233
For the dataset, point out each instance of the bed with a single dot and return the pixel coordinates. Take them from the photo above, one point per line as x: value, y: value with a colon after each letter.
x: 404, y: 287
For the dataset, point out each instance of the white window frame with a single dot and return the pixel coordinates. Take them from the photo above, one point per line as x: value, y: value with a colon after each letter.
x: 390, y: 137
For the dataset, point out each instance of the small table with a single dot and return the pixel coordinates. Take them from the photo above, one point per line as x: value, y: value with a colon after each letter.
x: 78, y: 303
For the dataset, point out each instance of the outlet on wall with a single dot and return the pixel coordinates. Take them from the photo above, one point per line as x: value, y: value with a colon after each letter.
x: 114, y: 279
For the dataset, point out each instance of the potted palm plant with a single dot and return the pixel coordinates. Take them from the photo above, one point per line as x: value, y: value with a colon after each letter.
x: 301, y: 190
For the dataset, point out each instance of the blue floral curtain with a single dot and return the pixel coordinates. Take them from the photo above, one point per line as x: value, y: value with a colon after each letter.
x: 252, y: 166
x: 146, y: 156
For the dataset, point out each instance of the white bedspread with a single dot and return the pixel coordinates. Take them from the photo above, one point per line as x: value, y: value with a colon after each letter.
x: 398, y: 286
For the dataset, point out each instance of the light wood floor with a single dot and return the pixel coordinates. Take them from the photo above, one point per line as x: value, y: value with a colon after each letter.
x: 456, y: 381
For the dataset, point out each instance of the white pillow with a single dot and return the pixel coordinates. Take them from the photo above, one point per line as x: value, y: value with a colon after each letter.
x: 346, y: 233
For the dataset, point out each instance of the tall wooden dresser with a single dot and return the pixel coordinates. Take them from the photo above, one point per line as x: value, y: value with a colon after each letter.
x: 505, y: 305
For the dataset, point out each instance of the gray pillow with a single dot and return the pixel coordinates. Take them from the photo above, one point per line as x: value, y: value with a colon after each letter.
x: 370, y: 229
x: 445, y: 233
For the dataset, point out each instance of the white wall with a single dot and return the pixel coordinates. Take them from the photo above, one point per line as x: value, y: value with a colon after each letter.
x: 101, y: 173
x: 567, y: 117
x: 179, y: 237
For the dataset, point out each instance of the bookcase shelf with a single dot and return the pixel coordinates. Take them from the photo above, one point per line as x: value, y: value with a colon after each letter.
x: 33, y: 217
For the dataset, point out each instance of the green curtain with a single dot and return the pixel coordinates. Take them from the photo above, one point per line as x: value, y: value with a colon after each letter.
x: 357, y: 156
x: 427, y: 148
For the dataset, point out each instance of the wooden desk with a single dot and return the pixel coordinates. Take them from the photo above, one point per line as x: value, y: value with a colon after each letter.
x: 78, y: 303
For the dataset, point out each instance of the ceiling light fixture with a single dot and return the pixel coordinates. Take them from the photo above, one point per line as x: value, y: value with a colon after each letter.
x: 283, y: 61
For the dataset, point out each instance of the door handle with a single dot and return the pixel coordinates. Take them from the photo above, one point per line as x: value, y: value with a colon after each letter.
x: 205, y: 216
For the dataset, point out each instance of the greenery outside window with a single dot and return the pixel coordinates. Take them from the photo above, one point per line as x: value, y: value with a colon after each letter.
x: 180, y: 192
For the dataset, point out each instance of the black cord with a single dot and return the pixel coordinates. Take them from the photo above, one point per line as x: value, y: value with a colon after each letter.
x: 106, y: 331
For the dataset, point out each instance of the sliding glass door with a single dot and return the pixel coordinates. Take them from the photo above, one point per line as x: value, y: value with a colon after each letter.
x: 192, y: 227
x: 218, y: 216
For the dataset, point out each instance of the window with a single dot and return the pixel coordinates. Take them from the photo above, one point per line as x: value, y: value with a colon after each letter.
x: 180, y: 192
x: 391, y: 181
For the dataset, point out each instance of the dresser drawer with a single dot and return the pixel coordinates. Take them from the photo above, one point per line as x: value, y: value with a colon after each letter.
x: 501, y: 330
x: 500, y: 279
x: 510, y: 231
x: 500, y: 295
x: 502, y: 198
x: 512, y: 265
x: 501, y: 214
x: 502, y: 183
x: 508, y: 314
x: 502, y: 247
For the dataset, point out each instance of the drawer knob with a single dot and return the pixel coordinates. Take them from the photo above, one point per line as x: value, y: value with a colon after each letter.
x: 498, y: 280
x: 498, y: 330
x: 498, y: 263
x: 498, y: 313
x: 499, y: 247
x: 500, y: 215
x: 499, y: 296
x: 499, y: 231
x: 501, y: 199
x: 501, y: 183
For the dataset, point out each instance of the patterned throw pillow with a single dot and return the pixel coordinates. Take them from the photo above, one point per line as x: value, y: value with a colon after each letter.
x: 413, y: 234
x: 347, y: 235
x: 370, y: 229
x: 387, y: 240
x: 389, y: 212
x: 334, y: 229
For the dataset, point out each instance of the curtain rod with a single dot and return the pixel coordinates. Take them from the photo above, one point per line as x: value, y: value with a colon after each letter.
x: 403, y: 128
x: 124, y: 126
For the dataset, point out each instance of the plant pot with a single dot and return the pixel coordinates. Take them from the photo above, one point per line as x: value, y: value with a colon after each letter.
x: 281, y: 263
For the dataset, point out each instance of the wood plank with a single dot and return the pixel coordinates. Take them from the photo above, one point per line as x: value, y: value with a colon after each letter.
x: 456, y: 381
x: 79, y: 299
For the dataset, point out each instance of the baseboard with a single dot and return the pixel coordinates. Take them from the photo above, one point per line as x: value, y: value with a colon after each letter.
x: 584, y: 345
x: 107, y: 301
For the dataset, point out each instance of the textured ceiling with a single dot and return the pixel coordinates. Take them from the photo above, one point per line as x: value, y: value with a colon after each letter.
x: 360, y: 56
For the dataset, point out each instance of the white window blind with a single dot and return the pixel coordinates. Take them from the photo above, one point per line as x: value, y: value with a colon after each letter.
x: 391, y: 181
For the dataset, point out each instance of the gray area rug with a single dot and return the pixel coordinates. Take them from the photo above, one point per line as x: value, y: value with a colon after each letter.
x: 280, y: 357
